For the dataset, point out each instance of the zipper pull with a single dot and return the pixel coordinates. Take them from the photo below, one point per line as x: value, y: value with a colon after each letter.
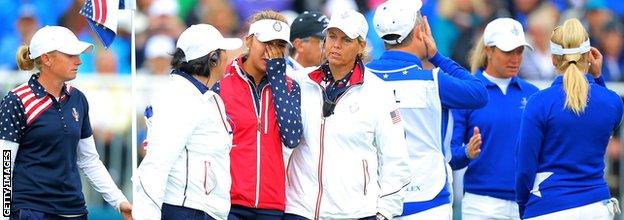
x: 259, y: 125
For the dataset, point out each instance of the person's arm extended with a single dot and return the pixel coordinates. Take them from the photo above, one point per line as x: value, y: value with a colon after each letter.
x: 463, y: 148
x: 458, y: 88
x: 287, y: 101
x: 91, y: 165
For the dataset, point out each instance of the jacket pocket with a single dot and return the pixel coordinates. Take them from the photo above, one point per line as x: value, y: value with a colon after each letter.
x: 210, y: 182
x: 366, y: 175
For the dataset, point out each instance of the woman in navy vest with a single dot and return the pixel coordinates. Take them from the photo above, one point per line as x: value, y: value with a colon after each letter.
x: 44, y: 125
x: 564, y: 134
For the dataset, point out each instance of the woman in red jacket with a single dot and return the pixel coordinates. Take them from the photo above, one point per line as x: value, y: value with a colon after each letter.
x: 263, y: 108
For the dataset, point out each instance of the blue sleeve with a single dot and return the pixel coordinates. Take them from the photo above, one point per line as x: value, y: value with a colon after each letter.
x: 12, y: 118
x: 528, y: 147
x: 461, y: 135
x: 287, y: 100
x: 458, y: 88
x: 216, y: 88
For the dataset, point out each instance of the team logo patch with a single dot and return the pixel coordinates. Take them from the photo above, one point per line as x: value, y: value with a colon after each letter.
x: 354, y: 108
x: 75, y: 114
x: 277, y: 26
x: 523, y: 102
x: 515, y: 31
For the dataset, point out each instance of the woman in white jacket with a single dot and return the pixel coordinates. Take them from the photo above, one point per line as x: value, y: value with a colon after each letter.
x: 352, y: 163
x: 186, y: 172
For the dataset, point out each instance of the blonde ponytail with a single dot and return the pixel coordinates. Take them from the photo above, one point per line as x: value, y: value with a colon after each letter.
x: 22, y: 58
x: 573, y: 66
x: 478, y: 58
x: 576, y: 88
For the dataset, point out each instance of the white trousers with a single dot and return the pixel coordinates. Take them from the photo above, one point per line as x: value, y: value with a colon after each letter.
x: 603, y: 210
x: 443, y: 212
x: 479, y: 207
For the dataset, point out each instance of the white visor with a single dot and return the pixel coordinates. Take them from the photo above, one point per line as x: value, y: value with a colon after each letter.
x: 557, y: 49
x: 268, y: 29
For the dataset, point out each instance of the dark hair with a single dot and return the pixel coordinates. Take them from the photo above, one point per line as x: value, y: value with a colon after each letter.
x: 200, y: 66
x: 393, y: 37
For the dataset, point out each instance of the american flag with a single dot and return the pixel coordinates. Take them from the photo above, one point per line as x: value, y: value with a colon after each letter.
x: 396, y: 116
x: 102, y: 16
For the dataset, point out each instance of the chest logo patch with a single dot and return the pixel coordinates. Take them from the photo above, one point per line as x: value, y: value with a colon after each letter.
x: 354, y: 108
x: 75, y: 114
x: 523, y: 102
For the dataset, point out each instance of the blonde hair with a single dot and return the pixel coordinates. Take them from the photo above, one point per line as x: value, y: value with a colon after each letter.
x: 573, y: 66
x: 267, y: 14
x: 22, y: 57
x: 478, y: 58
x: 365, y: 54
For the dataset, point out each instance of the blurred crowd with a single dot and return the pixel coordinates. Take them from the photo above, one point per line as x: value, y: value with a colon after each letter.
x: 456, y: 24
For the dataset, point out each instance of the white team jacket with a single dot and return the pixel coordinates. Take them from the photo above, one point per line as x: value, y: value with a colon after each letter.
x: 188, y: 153
x: 353, y: 163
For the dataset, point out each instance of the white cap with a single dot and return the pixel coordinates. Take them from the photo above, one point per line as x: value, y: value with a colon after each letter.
x: 349, y: 21
x: 163, y: 8
x: 159, y: 46
x: 396, y: 17
x: 51, y: 38
x: 200, y: 39
x: 504, y: 33
x: 268, y: 29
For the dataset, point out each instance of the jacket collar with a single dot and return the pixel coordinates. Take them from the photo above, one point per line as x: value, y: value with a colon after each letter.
x: 402, y: 56
x: 200, y: 86
x: 357, y: 75
x: 559, y: 80
x: 41, y: 92
x: 514, y: 80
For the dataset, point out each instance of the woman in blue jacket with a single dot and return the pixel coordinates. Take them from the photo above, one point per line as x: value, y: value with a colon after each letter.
x: 564, y: 134
x: 489, y: 178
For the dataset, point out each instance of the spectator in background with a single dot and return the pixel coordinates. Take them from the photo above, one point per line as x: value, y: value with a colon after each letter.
x: 520, y: 9
x: 219, y: 13
x: 612, y: 44
x: 306, y: 35
x: 158, y: 50
x: 163, y: 18
x: 597, y: 16
x: 536, y: 63
x: 106, y: 62
x: 26, y: 25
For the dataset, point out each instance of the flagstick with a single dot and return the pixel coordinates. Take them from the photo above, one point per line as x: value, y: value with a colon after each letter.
x: 134, y: 92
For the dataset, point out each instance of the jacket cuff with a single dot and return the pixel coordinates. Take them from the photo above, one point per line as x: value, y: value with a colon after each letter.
x: 437, y: 59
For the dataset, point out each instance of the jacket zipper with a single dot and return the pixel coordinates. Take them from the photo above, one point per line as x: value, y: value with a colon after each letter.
x: 366, y: 175
x: 322, y: 150
x: 258, y: 145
